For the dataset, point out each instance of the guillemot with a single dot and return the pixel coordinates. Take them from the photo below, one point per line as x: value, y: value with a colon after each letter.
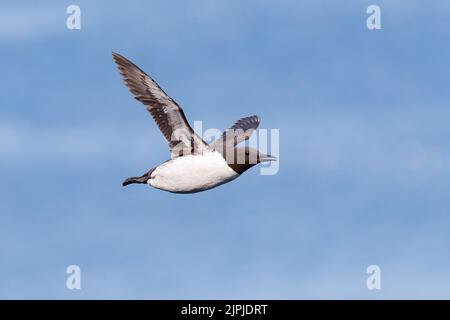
x: 195, y: 165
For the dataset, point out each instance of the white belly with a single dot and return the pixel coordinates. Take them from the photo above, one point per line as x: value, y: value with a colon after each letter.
x: 190, y: 174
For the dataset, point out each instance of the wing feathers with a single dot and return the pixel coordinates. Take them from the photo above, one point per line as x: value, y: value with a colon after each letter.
x: 165, y: 111
x: 239, y: 132
x: 247, y: 123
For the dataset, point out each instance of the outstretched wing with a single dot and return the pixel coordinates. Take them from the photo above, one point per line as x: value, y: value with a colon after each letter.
x: 240, y: 131
x: 165, y: 111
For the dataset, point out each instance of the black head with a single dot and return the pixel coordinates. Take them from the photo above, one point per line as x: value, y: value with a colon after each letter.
x: 243, y: 158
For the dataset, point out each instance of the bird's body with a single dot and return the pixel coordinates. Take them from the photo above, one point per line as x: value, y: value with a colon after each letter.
x: 192, y: 173
x: 194, y: 165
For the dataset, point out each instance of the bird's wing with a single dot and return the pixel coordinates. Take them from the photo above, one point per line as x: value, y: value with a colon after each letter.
x: 240, y: 131
x: 165, y: 111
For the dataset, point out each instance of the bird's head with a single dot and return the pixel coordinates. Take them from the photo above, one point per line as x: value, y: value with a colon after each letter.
x: 243, y: 158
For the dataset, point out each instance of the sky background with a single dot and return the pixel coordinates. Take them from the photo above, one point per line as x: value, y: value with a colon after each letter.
x: 364, y: 150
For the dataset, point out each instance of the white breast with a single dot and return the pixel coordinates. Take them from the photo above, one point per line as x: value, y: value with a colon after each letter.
x: 192, y: 173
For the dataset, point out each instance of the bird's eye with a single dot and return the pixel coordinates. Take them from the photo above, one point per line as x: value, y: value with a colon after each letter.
x: 247, y: 153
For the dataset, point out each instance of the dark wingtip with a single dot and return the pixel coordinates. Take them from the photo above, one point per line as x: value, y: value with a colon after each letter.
x: 118, y: 58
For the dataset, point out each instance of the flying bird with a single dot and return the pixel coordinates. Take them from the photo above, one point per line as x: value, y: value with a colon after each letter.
x: 194, y: 166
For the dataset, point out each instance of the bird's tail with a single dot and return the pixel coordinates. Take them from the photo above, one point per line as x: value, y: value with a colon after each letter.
x: 134, y: 180
x: 142, y: 179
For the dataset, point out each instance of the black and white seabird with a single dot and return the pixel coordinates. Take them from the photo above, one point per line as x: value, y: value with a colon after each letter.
x: 194, y: 165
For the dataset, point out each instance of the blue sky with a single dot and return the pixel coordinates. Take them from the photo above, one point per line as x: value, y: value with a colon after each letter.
x: 364, y: 150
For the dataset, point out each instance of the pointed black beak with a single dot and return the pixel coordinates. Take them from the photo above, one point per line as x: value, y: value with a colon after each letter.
x: 266, y: 158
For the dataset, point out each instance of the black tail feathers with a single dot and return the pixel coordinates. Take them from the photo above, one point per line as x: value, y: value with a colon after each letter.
x: 142, y: 179
x: 134, y: 180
